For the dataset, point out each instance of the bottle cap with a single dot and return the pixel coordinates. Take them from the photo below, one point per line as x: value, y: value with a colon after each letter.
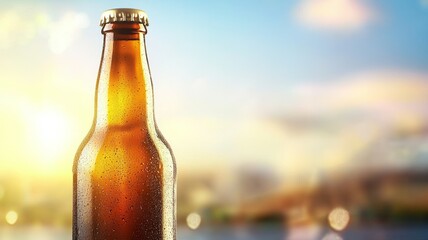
x: 124, y: 15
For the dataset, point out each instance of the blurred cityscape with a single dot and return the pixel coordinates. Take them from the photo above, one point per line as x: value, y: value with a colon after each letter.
x: 371, y: 192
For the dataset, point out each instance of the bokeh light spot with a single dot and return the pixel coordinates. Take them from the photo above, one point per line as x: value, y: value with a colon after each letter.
x: 11, y: 217
x: 193, y: 220
x: 338, y: 219
x: 332, y: 236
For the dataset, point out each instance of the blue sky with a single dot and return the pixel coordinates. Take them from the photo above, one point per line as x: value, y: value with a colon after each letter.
x: 193, y: 39
x: 264, y: 36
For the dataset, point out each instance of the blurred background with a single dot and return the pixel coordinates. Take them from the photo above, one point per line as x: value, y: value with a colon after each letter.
x: 289, y: 119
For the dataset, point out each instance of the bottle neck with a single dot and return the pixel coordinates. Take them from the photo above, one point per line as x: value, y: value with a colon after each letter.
x: 124, y: 96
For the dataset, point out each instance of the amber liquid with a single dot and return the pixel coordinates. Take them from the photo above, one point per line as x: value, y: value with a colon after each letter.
x: 124, y: 171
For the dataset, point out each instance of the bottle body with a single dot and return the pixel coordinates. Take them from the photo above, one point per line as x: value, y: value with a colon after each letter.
x: 123, y: 187
x: 124, y: 174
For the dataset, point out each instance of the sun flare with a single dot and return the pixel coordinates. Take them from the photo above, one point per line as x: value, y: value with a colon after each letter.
x: 51, y: 131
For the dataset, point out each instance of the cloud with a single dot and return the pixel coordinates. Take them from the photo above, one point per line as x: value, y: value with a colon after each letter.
x: 372, y: 90
x: 388, y: 101
x: 334, y: 14
x: 18, y: 30
x: 351, y: 121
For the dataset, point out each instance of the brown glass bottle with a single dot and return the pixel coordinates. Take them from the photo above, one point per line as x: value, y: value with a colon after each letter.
x: 124, y: 173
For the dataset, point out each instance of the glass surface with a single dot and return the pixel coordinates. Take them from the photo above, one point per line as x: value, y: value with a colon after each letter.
x: 124, y: 173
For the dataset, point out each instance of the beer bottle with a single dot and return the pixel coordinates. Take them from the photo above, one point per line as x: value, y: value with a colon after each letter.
x: 124, y: 173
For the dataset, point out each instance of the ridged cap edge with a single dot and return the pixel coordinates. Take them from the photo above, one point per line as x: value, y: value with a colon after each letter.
x: 124, y: 15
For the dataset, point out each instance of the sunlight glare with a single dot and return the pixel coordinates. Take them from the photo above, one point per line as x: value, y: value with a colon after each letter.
x: 51, y: 128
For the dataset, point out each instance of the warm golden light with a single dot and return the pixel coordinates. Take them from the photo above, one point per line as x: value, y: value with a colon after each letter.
x: 307, y: 125
x: 1, y: 192
x: 51, y: 131
x: 11, y: 217
x: 193, y: 220
x: 338, y: 219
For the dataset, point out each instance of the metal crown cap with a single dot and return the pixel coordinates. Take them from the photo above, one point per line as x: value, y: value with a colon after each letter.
x: 124, y: 15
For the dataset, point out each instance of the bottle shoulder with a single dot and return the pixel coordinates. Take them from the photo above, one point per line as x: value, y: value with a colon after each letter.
x: 122, y: 144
